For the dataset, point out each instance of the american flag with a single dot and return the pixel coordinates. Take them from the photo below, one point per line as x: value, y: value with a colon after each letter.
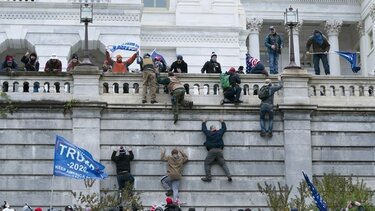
x: 320, y: 203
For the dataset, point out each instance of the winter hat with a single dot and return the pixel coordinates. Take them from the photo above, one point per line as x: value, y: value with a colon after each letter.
x: 74, y: 56
x: 146, y: 55
x: 267, y: 81
x: 316, y: 31
x: 174, y: 151
x: 33, y: 54
x: 68, y: 208
x: 122, y: 150
x: 26, y: 208
x: 118, y: 56
x: 38, y: 209
x: 232, y: 70
x: 53, y: 56
x: 169, y: 200
x: 179, y: 57
x: 157, y: 58
x: 9, y: 58
x: 272, y: 28
x: 213, y: 54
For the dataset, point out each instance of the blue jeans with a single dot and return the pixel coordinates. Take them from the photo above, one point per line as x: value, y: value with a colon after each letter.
x: 274, y: 62
x: 266, y: 109
x: 323, y: 57
x: 170, y: 184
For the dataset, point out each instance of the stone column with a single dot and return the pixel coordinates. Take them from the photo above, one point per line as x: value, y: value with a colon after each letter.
x: 254, y: 25
x: 86, y: 117
x: 363, y: 48
x: 296, y: 108
x: 333, y: 28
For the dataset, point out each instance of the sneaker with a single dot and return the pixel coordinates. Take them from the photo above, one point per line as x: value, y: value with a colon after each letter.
x: 230, y: 179
x: 262, y: 133
x: 269, y: 134
x: 206, y: 179
x: 144, y: 101
x: 154, y: 101
x: 169, y: 193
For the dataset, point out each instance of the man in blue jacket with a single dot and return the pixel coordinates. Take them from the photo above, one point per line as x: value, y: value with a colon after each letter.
x: 215, y: 145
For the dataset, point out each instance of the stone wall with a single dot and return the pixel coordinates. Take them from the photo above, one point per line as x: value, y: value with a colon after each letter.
x: 322, y: 124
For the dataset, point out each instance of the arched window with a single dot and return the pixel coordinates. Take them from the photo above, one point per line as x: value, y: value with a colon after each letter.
x: 5, y: 86
x: 115, y: 88
x: 36, y: 87
x: 187, y: 87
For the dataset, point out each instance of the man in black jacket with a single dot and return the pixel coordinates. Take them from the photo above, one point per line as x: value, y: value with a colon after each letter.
x: 122, y: 161
x: 212, y: 66
x: 214, y: 144
x: 233, y: 93
x: 179, y: 66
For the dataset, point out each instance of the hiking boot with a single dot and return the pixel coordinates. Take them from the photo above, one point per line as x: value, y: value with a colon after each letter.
x: 238, y: 101
x: 230, y: 179
x: 262, y: 133
x: 154, y: 101
x: 206, y: 179
x: 169, y: 193
x: 144, y: 101
x: 269, y: 134
x: 191, y: 104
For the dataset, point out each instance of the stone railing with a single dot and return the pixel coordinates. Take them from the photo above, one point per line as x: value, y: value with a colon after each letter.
x: 322, y: 90
x: 36, y: 82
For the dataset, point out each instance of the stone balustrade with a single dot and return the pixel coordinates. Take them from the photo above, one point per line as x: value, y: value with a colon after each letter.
x: 322, y: 89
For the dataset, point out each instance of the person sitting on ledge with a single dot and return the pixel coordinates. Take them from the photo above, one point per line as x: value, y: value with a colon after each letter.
x: 254, y: 66
x: 53, y: 64
x: 119, y: 66
x: 232, y: 94
x: 31, y: 62
x: 9, y: 64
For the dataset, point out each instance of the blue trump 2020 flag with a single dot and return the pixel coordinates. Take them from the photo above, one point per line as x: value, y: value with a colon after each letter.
x: 351, y: 57
x: 75, y: 162
x: 155, y: 54
x: 320, y: 203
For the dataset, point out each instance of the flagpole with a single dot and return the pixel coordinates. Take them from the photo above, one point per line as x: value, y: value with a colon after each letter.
x: 51, y: 197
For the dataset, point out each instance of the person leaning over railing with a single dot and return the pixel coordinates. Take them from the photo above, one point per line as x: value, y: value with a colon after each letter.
x: 31, y: 61
x: 177, y: 90
x: 9, y: 64
x: 73, y: 63
x: 53, y: 64
x: 179, y: 66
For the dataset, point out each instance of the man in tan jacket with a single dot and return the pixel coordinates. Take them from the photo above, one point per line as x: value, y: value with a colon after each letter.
x: 171, y: 182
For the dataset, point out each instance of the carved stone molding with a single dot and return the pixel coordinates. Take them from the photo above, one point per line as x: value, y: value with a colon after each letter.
x: 372, y: 12
x: 254, y: 24
x: 361, y: 28
x: 188, y: 38
x: 65, y: 16
x: 333, y: 27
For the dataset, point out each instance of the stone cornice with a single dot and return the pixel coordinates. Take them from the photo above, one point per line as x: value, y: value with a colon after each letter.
x: 345, y: 2
x: 56, y: 15
x: 188, y: 37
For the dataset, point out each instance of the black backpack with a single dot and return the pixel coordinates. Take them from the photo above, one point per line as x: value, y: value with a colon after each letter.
x: 264, y: 92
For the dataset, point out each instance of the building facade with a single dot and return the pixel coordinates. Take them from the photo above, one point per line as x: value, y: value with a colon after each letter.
x: 191, y: 28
